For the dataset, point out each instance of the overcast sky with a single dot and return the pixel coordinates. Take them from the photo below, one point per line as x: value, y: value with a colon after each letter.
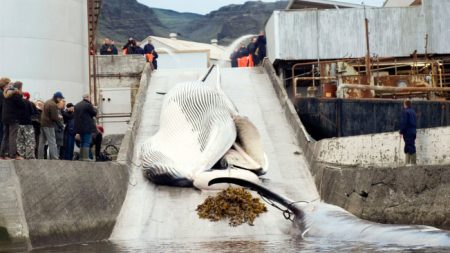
x: 206, y: 6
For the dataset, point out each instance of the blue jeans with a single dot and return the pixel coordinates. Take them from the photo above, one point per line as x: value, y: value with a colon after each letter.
x: 85, y: 140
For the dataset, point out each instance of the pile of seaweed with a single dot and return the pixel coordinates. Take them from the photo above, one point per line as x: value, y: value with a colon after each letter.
x: 235, y: 204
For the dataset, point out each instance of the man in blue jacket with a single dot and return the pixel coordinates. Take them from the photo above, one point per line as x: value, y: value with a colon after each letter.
x: 408, y: 125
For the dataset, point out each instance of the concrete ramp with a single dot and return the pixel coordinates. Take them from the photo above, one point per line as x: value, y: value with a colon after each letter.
x: 157, y: 212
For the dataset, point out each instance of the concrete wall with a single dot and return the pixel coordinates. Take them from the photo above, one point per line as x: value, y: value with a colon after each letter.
x: 328, y: 34
x: 118, y: 71
x: 51, y: 203
x: 13, y: 225
x: 117, y: 76
x: 388, y: 193
x: 120, y: 64
x: 384, y: 150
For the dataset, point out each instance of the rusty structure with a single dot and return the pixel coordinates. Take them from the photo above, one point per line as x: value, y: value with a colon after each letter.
x: 383, y: 53
x: 93, y: 11
x: 390, y: 78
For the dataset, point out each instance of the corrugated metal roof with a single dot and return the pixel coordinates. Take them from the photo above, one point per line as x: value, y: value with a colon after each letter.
x: 319, y: 4
x: 179, y: 46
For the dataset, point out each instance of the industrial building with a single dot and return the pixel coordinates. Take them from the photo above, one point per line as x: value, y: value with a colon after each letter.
x: 176, y: 53
x: 340, y: 64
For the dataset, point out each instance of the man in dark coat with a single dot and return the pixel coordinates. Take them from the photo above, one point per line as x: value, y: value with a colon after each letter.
x: 150, y: 54
x: 134, y: 48
x: 69, y: 131
x: 261, y: 46
x: 85, y: 125
x: 242, y: 52
x: 4, y: 81
x: 408, y: 125
x: 49, y: 118
x: 108, y: 48
x: 12, y: 110
x: 149, y: 48
x: 252, y: 47
x: 126, y: 46
x: 233, y: 58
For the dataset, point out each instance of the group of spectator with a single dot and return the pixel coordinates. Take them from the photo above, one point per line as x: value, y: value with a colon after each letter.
x: 30, y: 130
x: 131, y: 48
x: 250, y: 55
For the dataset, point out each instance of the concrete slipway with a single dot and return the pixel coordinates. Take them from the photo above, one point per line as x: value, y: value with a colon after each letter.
x: 153, y: 212
x: 159, y: 212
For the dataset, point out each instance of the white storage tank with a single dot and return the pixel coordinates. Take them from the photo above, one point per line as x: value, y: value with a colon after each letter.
x: 44, y: 44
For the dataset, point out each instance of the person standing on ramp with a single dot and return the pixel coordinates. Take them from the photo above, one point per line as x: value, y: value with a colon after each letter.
x: 408, y: 125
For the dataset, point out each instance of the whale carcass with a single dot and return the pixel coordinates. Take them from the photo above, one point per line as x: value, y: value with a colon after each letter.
x: 201, y: 136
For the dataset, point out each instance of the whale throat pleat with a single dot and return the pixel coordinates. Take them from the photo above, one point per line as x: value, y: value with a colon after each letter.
x: 196, y: 130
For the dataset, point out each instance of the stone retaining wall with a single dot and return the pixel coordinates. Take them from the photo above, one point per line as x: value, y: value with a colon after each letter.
x: 126, y: 152
x: 395, y: 195
x: 47, y: 203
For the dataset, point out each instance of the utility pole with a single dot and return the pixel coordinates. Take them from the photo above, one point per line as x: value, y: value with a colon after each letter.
x: 366, y: 22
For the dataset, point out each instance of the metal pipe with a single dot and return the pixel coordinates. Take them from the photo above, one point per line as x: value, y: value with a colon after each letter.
x: 314, y: 78
x: 204, y: 77
x: 366, y: 21
x: 114, y: 115
x: 95, y: 77
x: 392, y: 89
x: 120, y: 75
